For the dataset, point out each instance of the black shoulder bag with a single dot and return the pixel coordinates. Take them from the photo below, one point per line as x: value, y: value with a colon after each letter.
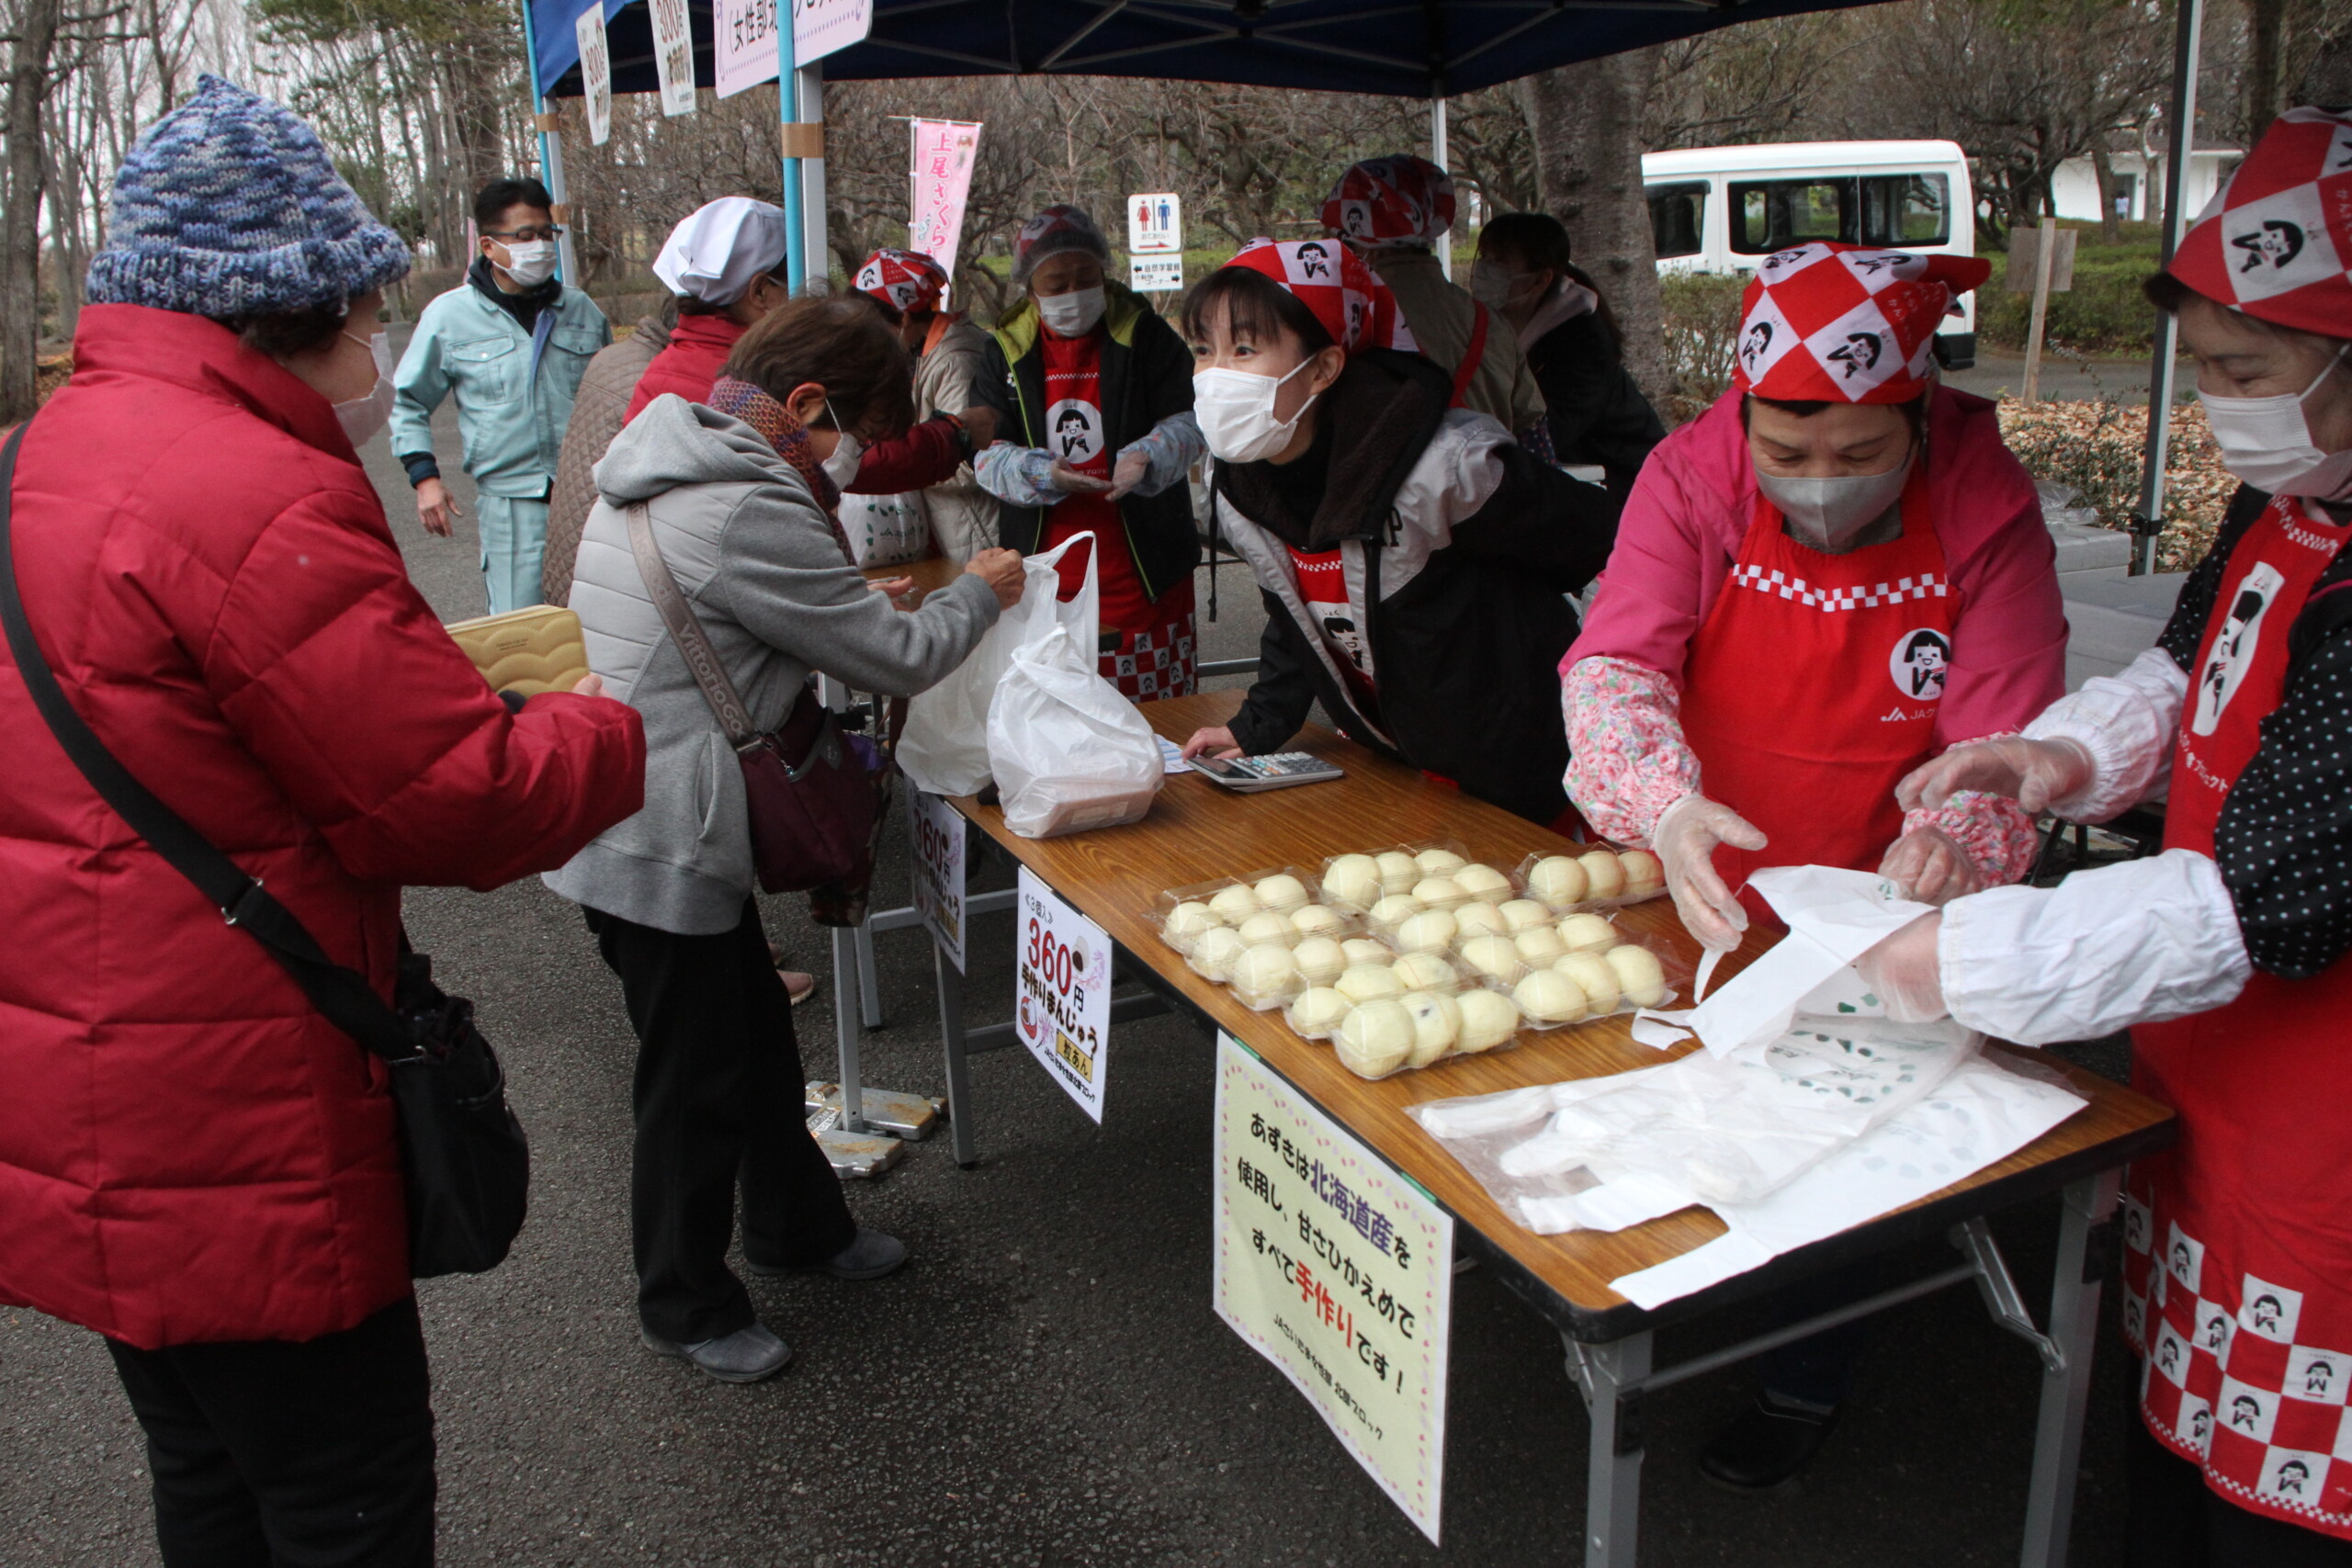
x: 467, y: 1166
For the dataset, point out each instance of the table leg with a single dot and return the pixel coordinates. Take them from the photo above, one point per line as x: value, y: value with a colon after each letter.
x: 846, y: 1030
x: 1612, y: 1504
x: 959, y: 1076
x: 2065, y: 1390
x: 869, y: 984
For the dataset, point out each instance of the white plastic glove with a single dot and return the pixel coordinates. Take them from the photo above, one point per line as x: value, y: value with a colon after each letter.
x: 1685, y: 840
x: 1133, y: 465
x: 1907, y: 971
x: 2032, y: 773
x: 1929, y: 867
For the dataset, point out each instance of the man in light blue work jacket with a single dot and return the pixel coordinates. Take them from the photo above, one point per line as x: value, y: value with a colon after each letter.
x: 510, y: 344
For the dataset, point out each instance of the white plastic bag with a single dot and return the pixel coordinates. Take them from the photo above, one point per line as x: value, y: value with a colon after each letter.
x: 1070, y: 753
x: 886, y: 530
x: 944, y: 748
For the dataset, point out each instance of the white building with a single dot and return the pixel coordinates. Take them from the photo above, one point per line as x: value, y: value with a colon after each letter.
x: 2138, y: 184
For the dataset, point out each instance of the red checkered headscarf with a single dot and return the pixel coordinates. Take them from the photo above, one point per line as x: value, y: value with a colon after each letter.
x: 2278, y: 241
x: 1847, y: 323
x: 1331, y: 280
x: 904, y: 280
x: 1402, y: 200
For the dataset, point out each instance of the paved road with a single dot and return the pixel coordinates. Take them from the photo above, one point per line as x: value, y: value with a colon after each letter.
x: 2092, y: 381
x: 1046, y: 1384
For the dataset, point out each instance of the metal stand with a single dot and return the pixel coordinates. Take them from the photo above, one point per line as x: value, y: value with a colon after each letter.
x: 1614, y: 1378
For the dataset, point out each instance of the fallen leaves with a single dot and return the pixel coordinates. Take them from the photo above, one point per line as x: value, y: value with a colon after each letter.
x: 2096, y: 448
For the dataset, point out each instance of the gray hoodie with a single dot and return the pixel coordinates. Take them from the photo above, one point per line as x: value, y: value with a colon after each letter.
x: 762, y: 572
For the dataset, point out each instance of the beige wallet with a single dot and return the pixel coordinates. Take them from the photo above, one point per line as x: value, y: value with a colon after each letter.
x: 532, y: 651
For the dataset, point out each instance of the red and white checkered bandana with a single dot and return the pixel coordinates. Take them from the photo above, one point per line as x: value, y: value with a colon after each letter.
x: 2278, y: 241
x: 1846, y: 324
x: 904, y: 280
x: 1331, y: 280
x: 1383, y: 201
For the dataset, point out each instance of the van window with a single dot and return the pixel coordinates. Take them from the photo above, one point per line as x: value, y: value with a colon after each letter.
x: 1872, y: 210
x: 1677, y: 218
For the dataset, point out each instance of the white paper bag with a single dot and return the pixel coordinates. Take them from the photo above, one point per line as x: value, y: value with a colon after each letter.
x: 1069, y: 754
x: 944, y: 748
x: 886, y: 530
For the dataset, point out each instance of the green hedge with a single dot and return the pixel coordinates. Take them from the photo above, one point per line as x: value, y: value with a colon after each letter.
x: 2102, y: 314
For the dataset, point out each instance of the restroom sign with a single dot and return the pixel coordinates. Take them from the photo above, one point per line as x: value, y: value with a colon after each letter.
x: 1154, y: 224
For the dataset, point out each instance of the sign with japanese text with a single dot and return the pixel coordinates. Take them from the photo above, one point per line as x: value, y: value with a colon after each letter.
x: 674, y: 55
x: 940, y: 180
x: 938, y: 833
x: 820, y: 27
x: 1154, y: 224
x: 743, y: 37
x: 1340, y: 1272
x: 596, y: 72
x: 1061, y: 991
x: 1155, y: 274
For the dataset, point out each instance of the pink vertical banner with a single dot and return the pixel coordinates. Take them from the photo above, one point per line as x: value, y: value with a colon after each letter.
x: 943, y: 151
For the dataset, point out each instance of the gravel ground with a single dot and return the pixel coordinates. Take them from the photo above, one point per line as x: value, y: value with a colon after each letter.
x: 1046, y: 1384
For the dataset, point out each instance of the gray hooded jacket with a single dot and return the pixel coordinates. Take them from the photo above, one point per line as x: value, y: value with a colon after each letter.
x: 761, y: 569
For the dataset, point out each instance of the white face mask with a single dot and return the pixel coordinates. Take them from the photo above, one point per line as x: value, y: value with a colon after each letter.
x: 531, y: 262
x: 848, y: 452
x: 361, y: 418
x: 1829, y: 514
x: 1490, y: 284
x: 2266, y: 442
x: 1072, y: 314
x: 1236, y: 413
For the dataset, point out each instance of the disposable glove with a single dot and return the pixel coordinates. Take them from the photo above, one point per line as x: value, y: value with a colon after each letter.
x: 1685, y: 840
x: 2032, y: 773
x: 1907, y: 972
x: 1929, y: 867
x: 1133, y: 467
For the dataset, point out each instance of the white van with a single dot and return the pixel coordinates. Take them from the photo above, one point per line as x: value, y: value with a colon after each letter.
x: 1725, y: 209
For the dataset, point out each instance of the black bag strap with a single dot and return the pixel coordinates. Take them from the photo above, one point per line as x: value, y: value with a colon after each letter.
x: 344, y: 995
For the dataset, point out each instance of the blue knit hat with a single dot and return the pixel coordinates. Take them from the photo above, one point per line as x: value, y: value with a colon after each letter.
x: 229, y: 206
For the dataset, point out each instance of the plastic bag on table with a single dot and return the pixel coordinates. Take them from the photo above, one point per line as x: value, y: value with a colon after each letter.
x: 1070, y: 754
x: 946, y: 747
x: 886, y: 530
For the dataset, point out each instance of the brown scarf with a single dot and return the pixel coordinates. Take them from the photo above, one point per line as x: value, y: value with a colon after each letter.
x: 782, y: 429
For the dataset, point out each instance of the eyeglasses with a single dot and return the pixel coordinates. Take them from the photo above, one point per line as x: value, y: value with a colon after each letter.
x: 552, y: 232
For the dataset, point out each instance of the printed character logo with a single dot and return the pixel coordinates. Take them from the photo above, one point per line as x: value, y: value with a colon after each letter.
x: 1753, y: 346
x: 2200, y: 1426
x: 2180, y: 1258
x: 1919, y: 663
x: 1314, y: 261
x: 1076, y: 430
x: 1342, y: 634
x: 1355, y: 218
x: 2278, y: 241
x: 2267, y: 1308
x: 2291, y: 1476
x: 2317, y: 1376
x: 2234, y: 650
x: 1879, y: 262
x: 1781, y: 260
x: 2217, y: 1330
x: 2245, y: 1411
x: 2169, y: 1354
x: 1860, y: 353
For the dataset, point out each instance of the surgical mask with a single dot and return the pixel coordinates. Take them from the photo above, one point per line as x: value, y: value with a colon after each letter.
x: 1490, y: 284
x: 2266, y: 442
x: 1072, y: 314
x: 362, y: 417
x: 531, y: 262
x: 1236, y: 413
x: 1830, y: 514
x: 848, y: 452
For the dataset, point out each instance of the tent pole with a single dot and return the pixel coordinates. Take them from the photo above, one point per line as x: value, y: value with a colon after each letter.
x: 550, y: 153
x: 795, y: 268
x: 815, y: 256
x: 1438, y: 156
x: 2179, y: 139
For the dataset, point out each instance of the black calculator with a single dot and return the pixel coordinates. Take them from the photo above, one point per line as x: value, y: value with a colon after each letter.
x: 1279, y: 770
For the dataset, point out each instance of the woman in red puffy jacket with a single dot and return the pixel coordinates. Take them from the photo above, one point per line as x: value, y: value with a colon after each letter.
x: 194, y: 1162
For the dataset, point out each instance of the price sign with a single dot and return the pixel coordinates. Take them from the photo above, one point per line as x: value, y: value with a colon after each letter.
x: 674, y: 55
x: 1338, y: 1270
x: 938, y: 831
x: 1061, y: 1001
x: 596, y: 72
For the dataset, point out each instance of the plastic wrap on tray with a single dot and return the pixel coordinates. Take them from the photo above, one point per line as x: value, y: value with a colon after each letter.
x: 1594, y: 878
x: 1283, y: 891
x: 1581, y: 985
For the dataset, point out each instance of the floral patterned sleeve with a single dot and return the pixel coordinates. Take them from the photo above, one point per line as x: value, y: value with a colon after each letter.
x: 1627, y: 760
x: 1993, y: 830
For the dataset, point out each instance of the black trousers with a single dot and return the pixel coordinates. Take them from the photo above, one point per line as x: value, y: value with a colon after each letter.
x: 270, y: 1454
x: 2175, y: 1521
x: 718, y: 1101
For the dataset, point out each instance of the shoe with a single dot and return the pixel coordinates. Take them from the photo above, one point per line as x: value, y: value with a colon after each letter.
x: 1766, y: 1445
x: 798, y: 984
x: 870, y: 1257
x: 748, y: 1355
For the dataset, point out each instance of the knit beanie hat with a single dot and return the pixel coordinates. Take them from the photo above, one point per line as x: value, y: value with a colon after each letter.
x: 1060, y: 228
x: 229, y: 206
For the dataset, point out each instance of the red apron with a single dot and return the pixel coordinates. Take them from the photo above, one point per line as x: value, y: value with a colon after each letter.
x: 2238, y: 1242
x: 1148, y: 644
x: 1812, y: 687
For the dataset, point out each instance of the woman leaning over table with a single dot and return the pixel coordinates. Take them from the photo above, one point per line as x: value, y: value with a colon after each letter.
x: 2226, y: 955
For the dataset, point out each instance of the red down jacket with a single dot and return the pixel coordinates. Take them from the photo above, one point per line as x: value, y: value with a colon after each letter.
x: 188, y: 1151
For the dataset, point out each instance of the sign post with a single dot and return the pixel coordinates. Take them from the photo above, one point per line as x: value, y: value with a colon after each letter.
x: 1061, y: 994
x: 1338, y: 1270
x: 2043, y: 260
x: 1156, y: 242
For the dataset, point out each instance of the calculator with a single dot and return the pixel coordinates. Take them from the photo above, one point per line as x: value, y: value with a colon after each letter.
x: 1278, y: 769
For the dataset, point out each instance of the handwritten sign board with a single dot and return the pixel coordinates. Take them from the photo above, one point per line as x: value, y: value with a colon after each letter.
x: 673, y: 56
x: 938, y: 833
x: 1061, y: 1001
x: 596, y: 72
x: 743, y: 37
x: 1339, y: 1271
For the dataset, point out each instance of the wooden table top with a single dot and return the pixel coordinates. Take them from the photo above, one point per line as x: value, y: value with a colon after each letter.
x: 931, y: 574
x: 1198, y: 831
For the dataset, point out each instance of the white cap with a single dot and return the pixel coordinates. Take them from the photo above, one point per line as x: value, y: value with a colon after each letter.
x: 719, y: 250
